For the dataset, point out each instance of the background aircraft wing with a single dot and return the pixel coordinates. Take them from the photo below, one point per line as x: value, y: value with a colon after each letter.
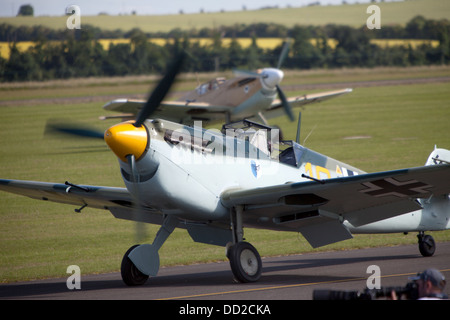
x: 176, y: 111
x: 317, y: 209
x: 186, y: 112
x: 131, y: 106
x: 276, y: 109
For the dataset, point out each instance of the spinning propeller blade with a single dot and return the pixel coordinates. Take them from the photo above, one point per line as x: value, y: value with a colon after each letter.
x: 160, y: 91
x: 65, y: 128
x: 122, y: 142
x: 155, y: 98
x: 153, y: 102
x: 138, y: 213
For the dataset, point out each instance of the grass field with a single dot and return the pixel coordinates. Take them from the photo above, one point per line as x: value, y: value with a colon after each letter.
x: 40, y: 239
x: 354, y: 15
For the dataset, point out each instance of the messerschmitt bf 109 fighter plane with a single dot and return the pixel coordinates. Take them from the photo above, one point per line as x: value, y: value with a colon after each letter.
x: 249, y: 95
x: 215, y: 183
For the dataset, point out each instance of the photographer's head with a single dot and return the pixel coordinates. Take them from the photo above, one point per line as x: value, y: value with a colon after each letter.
x: 430, y: 284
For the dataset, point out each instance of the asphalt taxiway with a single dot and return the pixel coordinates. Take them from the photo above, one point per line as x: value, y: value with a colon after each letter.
x: 293, y: 277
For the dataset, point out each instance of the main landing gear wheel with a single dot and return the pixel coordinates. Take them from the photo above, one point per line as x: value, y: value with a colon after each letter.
x: 427, y: 246
x: 245, y: 262
x: 130, y: 274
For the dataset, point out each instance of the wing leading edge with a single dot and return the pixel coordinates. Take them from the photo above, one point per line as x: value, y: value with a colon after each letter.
x: 317, y: 210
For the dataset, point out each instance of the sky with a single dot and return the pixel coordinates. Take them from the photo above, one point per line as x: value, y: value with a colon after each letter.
x: 9, y: 8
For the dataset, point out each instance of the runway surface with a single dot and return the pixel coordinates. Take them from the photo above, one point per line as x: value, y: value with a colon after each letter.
x: 292, y: 277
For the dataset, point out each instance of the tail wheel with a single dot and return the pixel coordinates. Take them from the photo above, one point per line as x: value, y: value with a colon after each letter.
x: 245, y: 262
x: 130, y: 274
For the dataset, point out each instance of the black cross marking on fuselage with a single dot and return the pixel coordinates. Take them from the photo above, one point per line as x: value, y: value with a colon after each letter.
x: 392, y: 187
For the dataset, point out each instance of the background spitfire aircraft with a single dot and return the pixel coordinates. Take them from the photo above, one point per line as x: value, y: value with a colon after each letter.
x: 214, y: 184
x: 251, y: 94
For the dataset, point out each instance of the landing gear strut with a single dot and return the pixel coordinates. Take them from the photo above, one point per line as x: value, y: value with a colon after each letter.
x: 245, y: 260
x: 427, y: 246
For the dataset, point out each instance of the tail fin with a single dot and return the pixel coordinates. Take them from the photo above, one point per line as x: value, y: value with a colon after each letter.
x: 438, y: 156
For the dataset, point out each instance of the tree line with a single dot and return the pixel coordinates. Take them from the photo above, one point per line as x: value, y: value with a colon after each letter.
x: 78, y: 53
x: 417, y: 28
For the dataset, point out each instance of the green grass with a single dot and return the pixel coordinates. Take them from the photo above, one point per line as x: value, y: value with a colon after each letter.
x: 40, y: 239
x: 404, y: 123
x: 354, y: 15
x: 325, y: 76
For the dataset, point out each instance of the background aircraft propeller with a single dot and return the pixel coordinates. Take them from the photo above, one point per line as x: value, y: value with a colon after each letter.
x: 284, y: 102
x: 284, y: 53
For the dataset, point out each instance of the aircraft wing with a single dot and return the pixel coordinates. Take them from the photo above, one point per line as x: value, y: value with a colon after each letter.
x: 317, y: 209
x: 276, y: 109
x: 186, y: 112
x: 117, y: 200
x: 176, y: 111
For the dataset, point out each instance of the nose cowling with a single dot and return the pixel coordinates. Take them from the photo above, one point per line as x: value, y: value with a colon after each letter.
x: 125, y: 139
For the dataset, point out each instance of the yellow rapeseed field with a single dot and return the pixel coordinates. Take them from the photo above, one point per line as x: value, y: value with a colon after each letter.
x: 22, y: 46
x: 263, y: 43
x: 414, y: 43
